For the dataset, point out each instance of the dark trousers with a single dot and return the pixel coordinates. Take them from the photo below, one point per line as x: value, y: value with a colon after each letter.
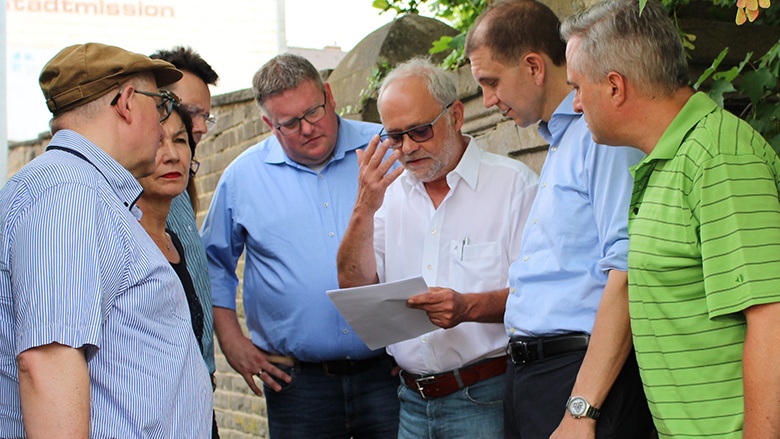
x: 536, y: 395
x: 322, y: 405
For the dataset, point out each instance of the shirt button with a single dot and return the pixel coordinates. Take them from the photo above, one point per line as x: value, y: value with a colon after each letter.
x: 433, y: 232
x: 525, y: 258
x: 554, y: 148
x: 325, y: 204
x: 512, y: 291
x: 346, y: 331
x: 425, y: 340
x: 321, y: 176
x: 544, y: 184
x: 331, y: 234
x: 430, y: 267
x: 534, y: 220
x: 511, y: 330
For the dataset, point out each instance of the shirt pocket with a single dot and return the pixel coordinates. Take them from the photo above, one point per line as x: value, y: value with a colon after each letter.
x: 475, y: 267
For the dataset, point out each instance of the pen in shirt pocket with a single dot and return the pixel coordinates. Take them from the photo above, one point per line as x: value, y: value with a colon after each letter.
x: 463, y: 246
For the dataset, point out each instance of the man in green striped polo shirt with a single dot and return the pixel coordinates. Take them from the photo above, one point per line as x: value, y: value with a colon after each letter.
x: 704, y: 226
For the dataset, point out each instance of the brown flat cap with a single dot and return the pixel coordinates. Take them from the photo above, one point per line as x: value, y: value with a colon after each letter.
x: 85, y: 72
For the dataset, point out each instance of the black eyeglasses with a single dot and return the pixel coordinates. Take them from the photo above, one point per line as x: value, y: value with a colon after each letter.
x: 194, y: 166
x: 312, y: 116
x: 196, y: 113
x: 420, y: 133
x: 165, y: 107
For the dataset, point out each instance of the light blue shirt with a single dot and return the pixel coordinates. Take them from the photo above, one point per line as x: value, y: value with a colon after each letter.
x: 181, y: 219
x: 77, y: 268
x: 576, y: 232
x: 288, y: 220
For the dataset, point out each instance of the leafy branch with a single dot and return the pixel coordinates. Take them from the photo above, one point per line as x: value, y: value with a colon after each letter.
x: 758, y: 84
x: 752, y: 79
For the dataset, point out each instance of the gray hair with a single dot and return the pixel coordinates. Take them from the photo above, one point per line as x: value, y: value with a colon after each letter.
x: 439, y: 83
x: 283, y: 72
x: 614, y: 37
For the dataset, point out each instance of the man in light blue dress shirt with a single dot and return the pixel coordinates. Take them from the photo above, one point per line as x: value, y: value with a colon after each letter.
x: 572, y: 371
x: 285, y: 204
x: 95, y: 332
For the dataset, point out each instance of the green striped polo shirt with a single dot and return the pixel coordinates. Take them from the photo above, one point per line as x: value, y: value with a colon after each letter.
x: 704, y: 245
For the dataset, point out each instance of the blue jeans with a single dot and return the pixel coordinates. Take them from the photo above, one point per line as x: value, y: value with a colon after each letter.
x: 318, y: 405
x: 474, y: 412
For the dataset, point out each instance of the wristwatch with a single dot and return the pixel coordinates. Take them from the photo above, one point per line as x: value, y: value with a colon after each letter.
x: 579, y: 407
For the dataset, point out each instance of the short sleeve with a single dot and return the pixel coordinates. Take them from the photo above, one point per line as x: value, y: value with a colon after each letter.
x: 739, y: 218
x: 63, y: 265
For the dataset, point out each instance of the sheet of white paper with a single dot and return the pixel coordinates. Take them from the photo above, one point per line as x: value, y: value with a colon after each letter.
x: 378, y: 313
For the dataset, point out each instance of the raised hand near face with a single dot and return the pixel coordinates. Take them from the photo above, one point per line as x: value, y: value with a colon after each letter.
x: 373, y: 176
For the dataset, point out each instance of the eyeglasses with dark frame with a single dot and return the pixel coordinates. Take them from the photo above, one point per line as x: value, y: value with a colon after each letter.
x: 312, y: 116
x: 196, y: 113
x: 164, y: 108
x: 420, y: 133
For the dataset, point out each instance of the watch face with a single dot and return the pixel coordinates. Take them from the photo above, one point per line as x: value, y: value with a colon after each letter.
x: 578, y: 406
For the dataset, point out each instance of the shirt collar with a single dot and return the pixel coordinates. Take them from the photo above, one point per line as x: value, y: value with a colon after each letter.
x: 466, y: 170
x: 698, y: 106
x: 562, y: 117
x: 120, y: 179
x: 468, y: 166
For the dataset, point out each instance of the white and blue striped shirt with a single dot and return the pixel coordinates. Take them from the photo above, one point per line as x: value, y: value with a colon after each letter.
x: 76, y: 268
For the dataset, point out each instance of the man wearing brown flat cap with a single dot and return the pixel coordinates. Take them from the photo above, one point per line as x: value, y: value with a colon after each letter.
x: 95, y: 339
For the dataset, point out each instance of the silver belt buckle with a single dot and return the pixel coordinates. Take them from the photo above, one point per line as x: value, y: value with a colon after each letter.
x: 510, y: 350
x: 420, y: 388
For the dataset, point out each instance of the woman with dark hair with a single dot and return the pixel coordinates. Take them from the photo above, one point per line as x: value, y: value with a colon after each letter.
x: 171, y: 175
x: 174, y: 169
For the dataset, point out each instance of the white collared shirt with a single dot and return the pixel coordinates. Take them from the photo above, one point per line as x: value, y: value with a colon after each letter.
x: 467, y: 244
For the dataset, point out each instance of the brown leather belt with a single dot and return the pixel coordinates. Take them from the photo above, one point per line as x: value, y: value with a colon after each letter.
x: 447, y: 383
